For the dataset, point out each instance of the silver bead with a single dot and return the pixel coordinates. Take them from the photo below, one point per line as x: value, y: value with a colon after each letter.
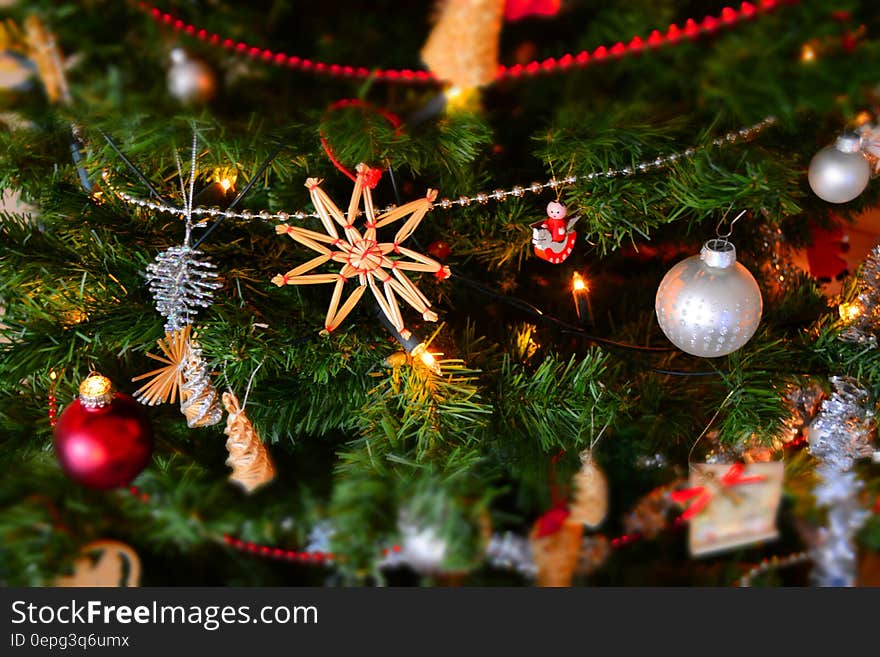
x: 709, y: 305
x: 445, y: 203
x: 246, y: 215
x: 283, y: 217
x: 517, y: 191
x: 536, y: 188
x: 463, y: 201
x: 264, y: 215
x: 499, y: 195
x: 481, y: 198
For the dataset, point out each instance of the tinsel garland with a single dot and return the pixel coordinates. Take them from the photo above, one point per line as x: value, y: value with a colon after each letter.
x: 838, y: 437
x: 862, y: 316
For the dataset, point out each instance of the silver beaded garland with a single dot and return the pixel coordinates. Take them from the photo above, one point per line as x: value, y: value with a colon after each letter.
x: 840, y: 172
x: 709, y: 305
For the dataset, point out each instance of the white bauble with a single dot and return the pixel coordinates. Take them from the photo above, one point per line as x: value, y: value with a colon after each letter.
x: 709, y: 304
x: 840, y: 172
x: 190, y: 80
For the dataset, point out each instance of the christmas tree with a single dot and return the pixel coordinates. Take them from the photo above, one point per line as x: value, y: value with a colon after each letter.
x: 475, y: 293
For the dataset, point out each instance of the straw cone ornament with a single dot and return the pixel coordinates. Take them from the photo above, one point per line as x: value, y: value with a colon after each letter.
x: 556, y: 555
x: 462, y: 48
x: 590, y: 504
x: 183, y: 375
x: 248, y: 458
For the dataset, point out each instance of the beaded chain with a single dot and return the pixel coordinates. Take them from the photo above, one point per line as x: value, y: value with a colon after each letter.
x: 481, y: 198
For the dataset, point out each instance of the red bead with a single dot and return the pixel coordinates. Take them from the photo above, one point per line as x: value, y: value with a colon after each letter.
x: 690, y: 28
x: 747, y: 9
x: 710, y: 23
x: 655, y: 38
x: 600, y: 53
x: 618, y: 49
x: 728, y: 15
x: 103, y: 447
x: 636, y: 43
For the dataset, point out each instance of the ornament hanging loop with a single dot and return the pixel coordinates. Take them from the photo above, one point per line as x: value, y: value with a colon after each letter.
x: 724, y: 236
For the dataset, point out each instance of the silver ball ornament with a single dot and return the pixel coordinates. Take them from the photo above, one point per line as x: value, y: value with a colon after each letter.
x: 840, y: 172
x: 190, y: 80
x: 709, y: 305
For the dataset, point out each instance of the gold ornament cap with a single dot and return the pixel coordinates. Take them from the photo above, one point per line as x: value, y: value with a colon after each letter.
x: 96, y: 391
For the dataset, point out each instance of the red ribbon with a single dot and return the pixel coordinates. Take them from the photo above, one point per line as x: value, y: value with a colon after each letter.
x: 702, y: 495
x: 374, y: 175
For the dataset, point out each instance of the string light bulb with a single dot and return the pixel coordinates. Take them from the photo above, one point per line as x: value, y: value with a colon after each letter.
x: 580, y: 291
x: 808, y: 53
x: 421, y: 353
x: 226, y: 177
x: 849, y: 311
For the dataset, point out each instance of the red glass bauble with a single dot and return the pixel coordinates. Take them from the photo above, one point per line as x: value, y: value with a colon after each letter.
x: 105, y: 446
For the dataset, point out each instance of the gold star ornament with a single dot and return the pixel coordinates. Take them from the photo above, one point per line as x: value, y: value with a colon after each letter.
x: 379, y: 266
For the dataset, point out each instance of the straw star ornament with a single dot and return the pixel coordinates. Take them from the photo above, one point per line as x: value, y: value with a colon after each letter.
x: 364, y: 259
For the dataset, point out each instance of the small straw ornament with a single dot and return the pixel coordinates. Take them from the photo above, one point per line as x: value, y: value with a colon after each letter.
x: 556, y: 553
x: 462, y: 48
x: 590, y: 504
x: 184, y: 372
x: 250, y: 462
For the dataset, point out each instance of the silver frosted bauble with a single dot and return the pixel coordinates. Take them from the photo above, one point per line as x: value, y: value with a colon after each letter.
x: 840, y: 172
x: 190, y: 80
x: 709, y: 304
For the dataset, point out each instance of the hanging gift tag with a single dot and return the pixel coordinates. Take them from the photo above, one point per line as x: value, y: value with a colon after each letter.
x: 729, y: 506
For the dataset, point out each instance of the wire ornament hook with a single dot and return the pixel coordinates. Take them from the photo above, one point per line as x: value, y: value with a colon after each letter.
x: 721, y: 223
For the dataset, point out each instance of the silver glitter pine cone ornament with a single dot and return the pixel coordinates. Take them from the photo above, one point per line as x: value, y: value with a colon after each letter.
x: 709, y: 305
x: 840, y: 172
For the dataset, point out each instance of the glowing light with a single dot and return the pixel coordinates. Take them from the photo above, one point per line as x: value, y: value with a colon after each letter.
x: 225, y: 177
x: 52, y: 375
x: 580, y: 290
x: 421, y: 352
x: 849, y: 311
x: 808, y: 53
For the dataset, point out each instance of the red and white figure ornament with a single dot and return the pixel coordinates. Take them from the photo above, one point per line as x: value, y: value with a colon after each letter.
x: 554, y: 237
x: 103, y: 439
